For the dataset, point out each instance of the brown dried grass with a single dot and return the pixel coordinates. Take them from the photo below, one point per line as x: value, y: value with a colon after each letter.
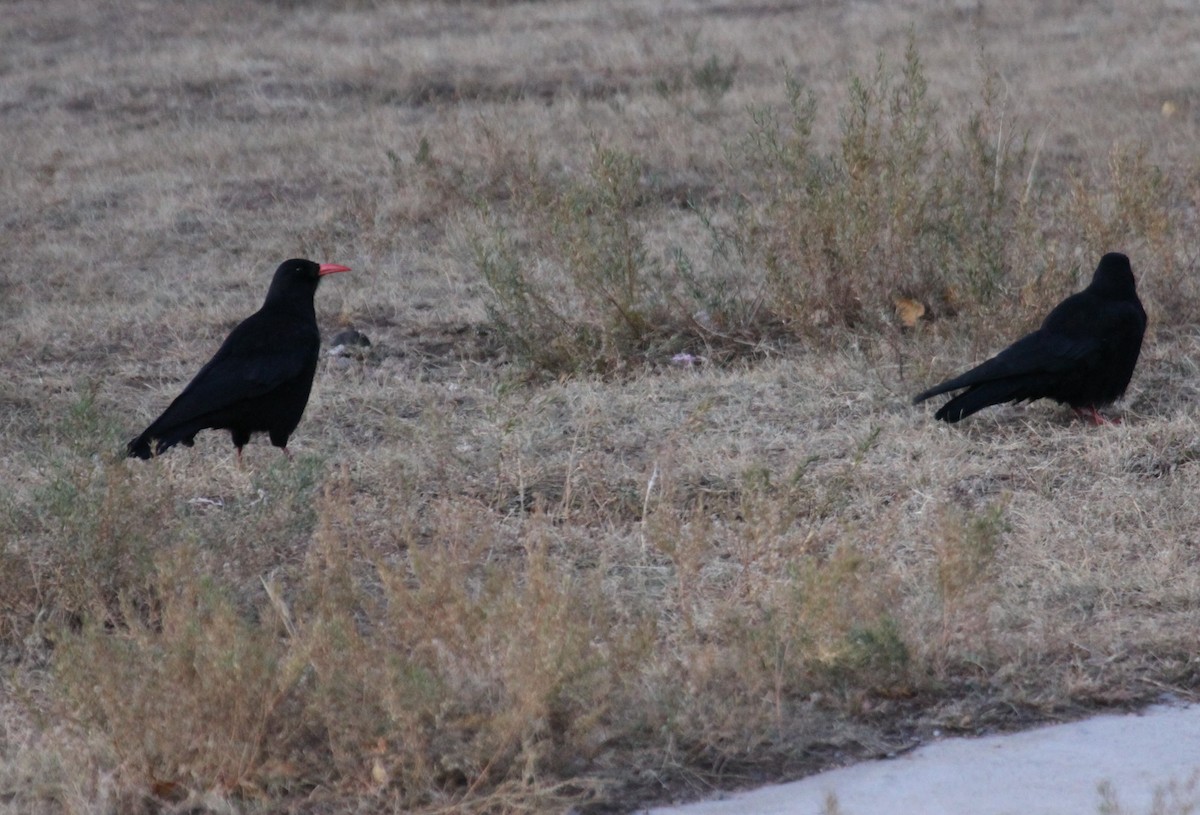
x: 479, y: 591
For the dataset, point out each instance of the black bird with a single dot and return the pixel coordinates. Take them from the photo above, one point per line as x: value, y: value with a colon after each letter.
x: 260, y: 377
x: 1083, y: 354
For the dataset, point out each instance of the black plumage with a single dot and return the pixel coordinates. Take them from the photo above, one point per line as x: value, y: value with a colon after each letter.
x: 259, y: 379
x: 1083, y: 354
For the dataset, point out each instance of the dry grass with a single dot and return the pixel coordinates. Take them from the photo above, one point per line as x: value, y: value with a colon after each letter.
x: 523, y: 561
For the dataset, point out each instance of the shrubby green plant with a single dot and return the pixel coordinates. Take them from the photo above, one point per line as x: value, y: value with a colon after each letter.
x: 574, y: 287
x: 900, y: 208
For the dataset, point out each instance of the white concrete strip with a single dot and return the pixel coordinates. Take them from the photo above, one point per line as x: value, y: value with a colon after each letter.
x: 1055, y: 770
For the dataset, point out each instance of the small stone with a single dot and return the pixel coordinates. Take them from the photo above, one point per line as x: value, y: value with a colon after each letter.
x: 349, y: 343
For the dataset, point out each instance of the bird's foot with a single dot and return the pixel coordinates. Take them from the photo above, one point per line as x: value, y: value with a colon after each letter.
x: 1095, y: 417
x: 287, y: 452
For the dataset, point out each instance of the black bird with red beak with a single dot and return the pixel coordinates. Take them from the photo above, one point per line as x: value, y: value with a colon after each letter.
x: 259, y: 379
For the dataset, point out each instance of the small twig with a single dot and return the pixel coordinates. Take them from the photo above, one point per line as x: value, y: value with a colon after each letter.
x: 756, y: 345
x: 646, y: 504
x: 1037, y: 154
x: 1190, y: 695
x: 279, y: 604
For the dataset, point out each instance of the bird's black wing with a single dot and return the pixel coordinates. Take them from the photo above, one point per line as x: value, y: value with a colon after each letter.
x: 258, y: 356
x: 1038, y: 365
x: 1037, y: 354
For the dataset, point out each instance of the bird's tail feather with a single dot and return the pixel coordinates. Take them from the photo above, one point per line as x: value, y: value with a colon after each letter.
x: 948, y: 385
x: 996, y: 371
x: 979, y: 397
x: 162, y: 439
x: 139, y: 447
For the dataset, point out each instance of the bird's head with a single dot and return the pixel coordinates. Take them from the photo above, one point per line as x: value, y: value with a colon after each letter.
x: 298, y: 278
x: 1114, y: 278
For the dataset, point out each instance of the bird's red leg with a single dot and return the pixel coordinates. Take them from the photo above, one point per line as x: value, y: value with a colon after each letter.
x: 1094, y: 416
x: 239, y: 457
x: 286, y: 452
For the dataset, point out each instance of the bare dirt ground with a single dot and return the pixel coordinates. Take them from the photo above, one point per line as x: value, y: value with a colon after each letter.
x: 481, y: 588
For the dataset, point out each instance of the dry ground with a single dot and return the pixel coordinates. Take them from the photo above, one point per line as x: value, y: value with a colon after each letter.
x: 483, y: 589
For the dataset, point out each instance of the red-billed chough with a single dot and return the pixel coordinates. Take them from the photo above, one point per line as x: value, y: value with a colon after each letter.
x: 1083, y: 354
x: 260, y: 377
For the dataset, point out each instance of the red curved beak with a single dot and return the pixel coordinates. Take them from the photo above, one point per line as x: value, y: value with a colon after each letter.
x: 330, y: 268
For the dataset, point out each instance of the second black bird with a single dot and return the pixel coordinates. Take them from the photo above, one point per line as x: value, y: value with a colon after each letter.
x: 1083, y: 354
x: 259, y: 379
